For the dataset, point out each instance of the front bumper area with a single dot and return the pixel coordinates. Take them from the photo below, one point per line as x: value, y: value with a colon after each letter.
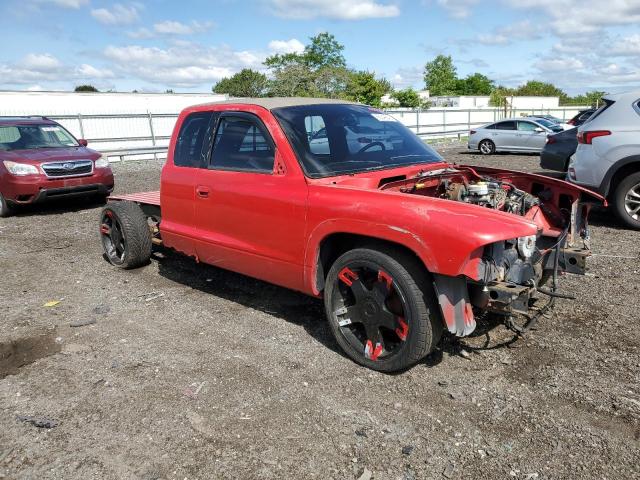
x: 38, y: 188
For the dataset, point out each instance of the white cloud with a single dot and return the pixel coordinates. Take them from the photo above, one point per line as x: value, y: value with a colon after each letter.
x: 171, y: 27
x: 338, y: 9
x: 118, y: 15
x: 628, y: 46
x: 37, y: 68
x: 141, y: 33
x: 458, y: 8
x: 573, y: 17
x: 184, y: 64
x: 66, y: 3
x: 524, y: 30
x: 44, y: 62
x: 286, y: 46
x: 408, y: 77
x: 558, y: 64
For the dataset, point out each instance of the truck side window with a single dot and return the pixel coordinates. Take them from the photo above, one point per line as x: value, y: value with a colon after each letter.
x: 194, y: 133
x: 241, y: 145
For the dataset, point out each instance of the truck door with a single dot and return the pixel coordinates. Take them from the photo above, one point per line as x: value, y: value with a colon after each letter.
x: 177, y: 195
x: 249, y: 210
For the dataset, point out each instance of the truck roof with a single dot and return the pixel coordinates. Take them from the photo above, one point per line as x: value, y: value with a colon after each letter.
x: 277, y: 102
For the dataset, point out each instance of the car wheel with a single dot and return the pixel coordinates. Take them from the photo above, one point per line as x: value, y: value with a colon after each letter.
x: 6, y: 208
x: 626, y: 201
x: 125, y: 235
x: 381, y: 308
x: 487, y: 147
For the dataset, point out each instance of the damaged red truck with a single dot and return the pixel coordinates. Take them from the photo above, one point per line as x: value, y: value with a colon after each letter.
x: 343, y: 202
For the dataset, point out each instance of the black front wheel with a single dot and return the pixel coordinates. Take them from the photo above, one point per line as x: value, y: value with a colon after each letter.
x: 380, y: 306
x: 125, y: 235
x: 6, y: 209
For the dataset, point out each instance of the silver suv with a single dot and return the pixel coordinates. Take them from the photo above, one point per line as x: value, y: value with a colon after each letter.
x: 608, y: 156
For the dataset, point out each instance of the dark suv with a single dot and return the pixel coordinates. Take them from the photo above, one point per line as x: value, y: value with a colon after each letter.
x: 40, y: 160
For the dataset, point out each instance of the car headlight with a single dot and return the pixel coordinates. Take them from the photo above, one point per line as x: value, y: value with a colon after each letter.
x: 102, y: 162
x: 20, y: 168
x: 527, y: 245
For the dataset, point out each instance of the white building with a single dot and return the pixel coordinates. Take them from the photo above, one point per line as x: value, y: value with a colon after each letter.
x: 460, y: 101
x: 86, y: 103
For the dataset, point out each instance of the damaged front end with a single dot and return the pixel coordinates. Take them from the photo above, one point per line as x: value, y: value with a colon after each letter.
x: 515, y: 276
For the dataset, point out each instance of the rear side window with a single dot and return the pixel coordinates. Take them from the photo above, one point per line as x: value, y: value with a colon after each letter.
x: 491, y: 127
x: 527, y: 126
x: 598, y: 112
x: 194, y: 134
x: 506, y: 126
x: 242, y: 144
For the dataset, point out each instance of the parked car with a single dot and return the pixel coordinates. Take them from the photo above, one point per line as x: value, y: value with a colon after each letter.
x: 398, y: 242
x: 552, y: 119
x: 581, y: 117
x: 41, y: 160
x: 608, y: 155
x: 512, y: 135
x: 558, y: 150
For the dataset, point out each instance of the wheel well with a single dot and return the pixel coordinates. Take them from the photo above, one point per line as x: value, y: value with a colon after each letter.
x: 336, y: 244
x: 620, y: 175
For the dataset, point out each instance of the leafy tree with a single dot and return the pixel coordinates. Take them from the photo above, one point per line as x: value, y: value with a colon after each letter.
x: 474, y: 84
x: 245, y: 83
x: 85, y: 88
x: 440, y: 76
x: 318, y: 71
x: 322, y: 51
x: 365, y: 88
x: 535, y: 88
x: 407, y: 98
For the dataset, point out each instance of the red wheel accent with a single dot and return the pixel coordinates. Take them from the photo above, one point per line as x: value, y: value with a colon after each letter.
x: 372, y: 353
x: 386, y: 278
x: 403, y: 330
x: 348, y: 276
x: 105, y: 229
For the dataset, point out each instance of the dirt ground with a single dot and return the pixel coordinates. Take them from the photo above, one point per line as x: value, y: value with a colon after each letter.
x: 190, y: 372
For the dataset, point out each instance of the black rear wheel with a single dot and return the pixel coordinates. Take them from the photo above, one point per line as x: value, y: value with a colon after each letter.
x: 125, y: 235
x: 380, y: 308
x: 626, y: 201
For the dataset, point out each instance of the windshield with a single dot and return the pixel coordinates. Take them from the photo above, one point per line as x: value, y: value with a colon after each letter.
x: 549, y: 124
x: 24, y: 137
x: 337, y: 139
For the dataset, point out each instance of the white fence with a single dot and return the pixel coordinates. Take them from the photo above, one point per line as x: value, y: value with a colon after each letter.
x: 129, y: 136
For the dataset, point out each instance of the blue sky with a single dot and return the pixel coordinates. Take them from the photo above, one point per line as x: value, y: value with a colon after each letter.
x: 188, y: 45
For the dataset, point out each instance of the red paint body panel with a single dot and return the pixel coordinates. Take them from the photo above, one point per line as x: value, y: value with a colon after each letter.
x: 271, y: 226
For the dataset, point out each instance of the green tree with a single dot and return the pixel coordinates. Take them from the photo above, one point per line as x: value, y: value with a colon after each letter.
x: 245, y: 83
x: 407, y: 98
x: 440, y: 76
x: 535, y: 88
x: 365, y: 88
x: 474, y: 84
x: 318, y: 71
x: 85, y: 88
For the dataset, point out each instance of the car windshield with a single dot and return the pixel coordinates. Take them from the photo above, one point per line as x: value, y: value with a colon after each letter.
x: 549, y: 124
x: 24, y: 137
x: 337, y: 139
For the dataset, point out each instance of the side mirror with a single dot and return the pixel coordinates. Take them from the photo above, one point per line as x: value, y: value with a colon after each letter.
x: 539, y: 130
x: 83, y: 142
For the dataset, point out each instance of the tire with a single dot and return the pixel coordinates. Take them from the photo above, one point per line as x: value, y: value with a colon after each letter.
x: 125, y: 235
x: 5, y: 208
x: 487, y: 147
x: 407, y: 295
x: 626, y: 201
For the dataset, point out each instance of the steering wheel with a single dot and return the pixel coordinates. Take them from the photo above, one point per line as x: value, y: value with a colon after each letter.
x: 372, y: 144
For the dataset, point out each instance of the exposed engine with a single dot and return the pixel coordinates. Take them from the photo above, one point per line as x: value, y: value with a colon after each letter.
x: 491, y: 194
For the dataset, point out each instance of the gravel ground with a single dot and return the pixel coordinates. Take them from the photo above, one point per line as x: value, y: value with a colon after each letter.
x: 187, y: 371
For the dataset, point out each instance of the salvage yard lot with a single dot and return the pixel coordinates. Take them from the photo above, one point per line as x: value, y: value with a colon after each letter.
x: 194, y: 372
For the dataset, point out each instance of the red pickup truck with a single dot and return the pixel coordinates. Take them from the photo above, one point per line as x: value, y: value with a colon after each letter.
x: 341, y: 201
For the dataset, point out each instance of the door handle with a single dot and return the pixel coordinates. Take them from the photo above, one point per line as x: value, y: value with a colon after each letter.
x: 202, y: 192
